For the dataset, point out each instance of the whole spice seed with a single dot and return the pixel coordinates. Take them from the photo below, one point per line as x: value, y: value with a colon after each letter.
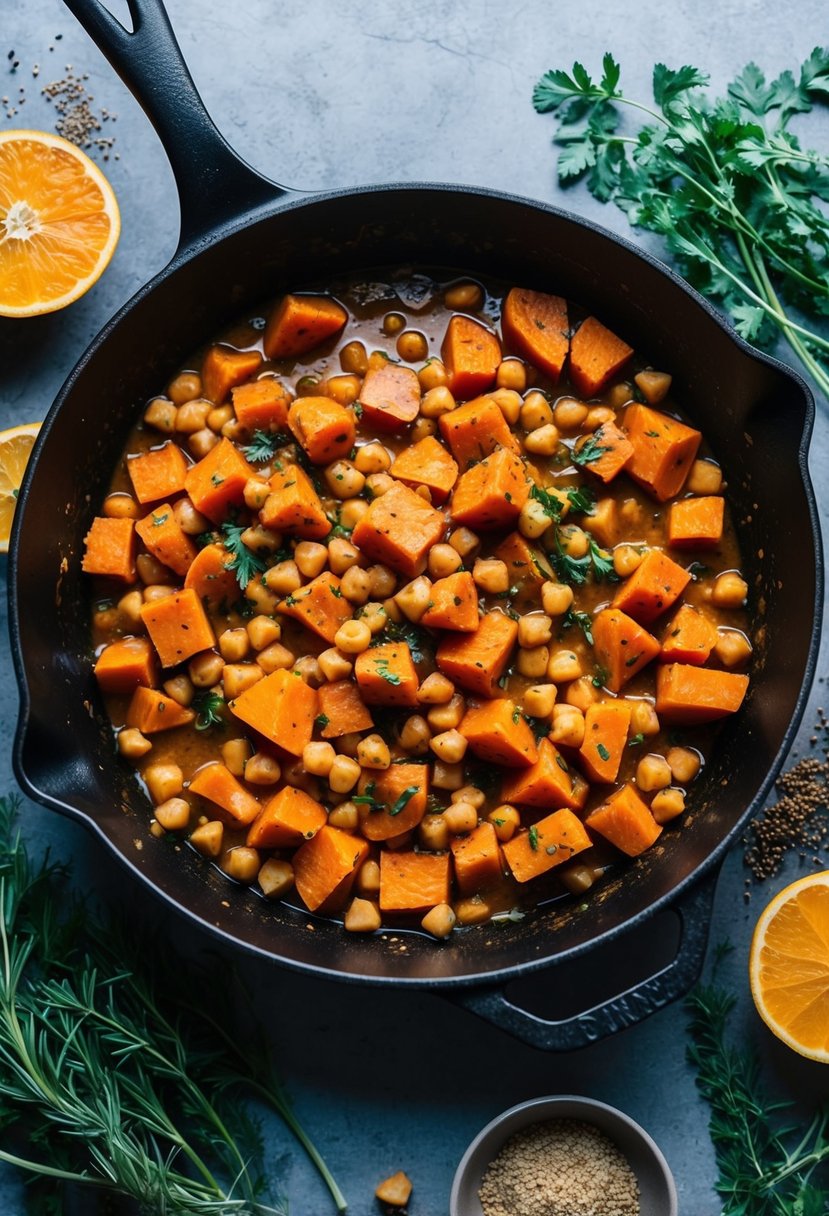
x: 559, y: 1168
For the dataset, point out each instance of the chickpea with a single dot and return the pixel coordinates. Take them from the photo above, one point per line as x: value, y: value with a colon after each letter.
x: 356, y: 585
x: 372, y: 458
x: 469, y: 793
x: 256, y: 493
x: 464, y: 541
x: 437, y: 401
x: 129, y: 607
x: 412, y: 346
x: 121, y: 506
x: 382, y: 581
x: 506, y: 820
x: 539, y: 700
x: 415, y: 735
x: 509, y: 403
x: 556, y: 598
x: 261, y: 539
x: 511, y: 374
x: 373, y: 752
x: 447, y: 776
x: 343, y: 479
x: 422, y: 428
x: 308, y: 386
x: 262, y: 769
x: 729, y: 590
x: 284, y: 578
x: 262, y: 631
x: 311, y: 558
x: 536, y: 411
x: 346, y: 817
x: 276, y: 878
x: 342, y: 555
x: 354, y: 359
x: 235, y: 755
x: 569, y: 414
x: 543, y: 441
x: 192, y: 417
x: 564, y: 666
x: 378, y: 483
x: 436, y: 689
x: 157, y: 591
x: 163, y: 781
x: 568, y: 726
x: 654, y: 386
x: 309, y: 670
x: 184, y: 387
x: 160, y: 414
x: 597, y: 416
x: 653, y: 773
x: 373, y: 614
x: 533, y: 520
x: 352, y: 511
x: 465, y: 296
x: 237, y: 677
x: 191, y: 521
x: 732, y: 648
x: 393, y: 323
x: 533, y: 661
x: 439, y: 921
x: 173, y: 815
x: 206, y: 669
x: 667, y: 804
x: 343, y: 774
x: 150, y: 569
x: 367, y: 881
x: 275, y: 657
x: 432, y: 375
x: 343, y: 389
x: 334, y: 666
x: 626, y: 558
x: 705, y: 477
x: 132, y: 744
x: 643, y: 719
x: 620, y: 395
x: 433, y: 834
x: 534, y: 629
x: 180, y: 688
x: 234, y: 644
x: 347, y: 745
x: 460, y: 817
x: 219, y: 417
x: 491, y: 575
x: 353, y: 637
x: 235, y: 432
x: 362, y: 916
x: 242, y: 863
x: 443, y: 561
x: 684, y: 764
x: 449, y: 715
x: 450, y: 745
x: 582, y: 693
x: 574, y: 540
x: 577, y: 878
x: 472, y: 911
x: 208, y: 838
x: 414, y: 598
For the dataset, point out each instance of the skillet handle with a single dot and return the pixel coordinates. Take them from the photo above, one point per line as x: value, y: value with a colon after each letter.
x: 214, y: 183
x: 627, y: 1008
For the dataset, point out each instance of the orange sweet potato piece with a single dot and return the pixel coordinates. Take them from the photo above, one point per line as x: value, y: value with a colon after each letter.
x: 163, y: 537
x: 522, y: 560
x: 151, y: 711
x: 386, y: 675
x: 343, y: 708
x: 294, y: 506
x: 281, y: 707
x: 535, y: 326
x: 603, y: 522
x: 696, y: 523
x: 663, y: 450
x: 475, y: 430
x: 413, y: 882
x: 497, y: 731
x: 325, y: 867
x: 399, y: 529
x: 686, y: 694
x: 477, y: 859
x: 492, y: 493
x: 301, y: 322
x: 261, y: 405
x: 622, y: 647
x: 319, y: 605
x: 596, y: 355
x: 218, y: 785
x: 285, y: 820
x: 323, y: 427
x: 605, y: 452
x: 551, y: 841
x: 471, y: 354
x: 427, y: 463
x: 477, y: 660
x: 178, y: 626
x: 217, y: 482
x: 655, y: 584
x: 688, y: 638
x: 224, y: 367
x: 212, y: 578
x: 157, y: 473
x: 606, y: 725
x: 454, y: 602
x: 389, y: 396
x: 626, y: 821
x: 110, y: 548
x: 402, y: 789
x: 123, y: 665
x: 549, y: 782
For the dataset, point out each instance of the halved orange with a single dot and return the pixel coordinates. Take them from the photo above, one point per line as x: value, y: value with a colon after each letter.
x: 789, y: 966
x: 15, y: 449
x: 59, y: 223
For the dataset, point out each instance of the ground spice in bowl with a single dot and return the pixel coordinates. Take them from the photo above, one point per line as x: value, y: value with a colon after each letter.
x: 562, y: 1167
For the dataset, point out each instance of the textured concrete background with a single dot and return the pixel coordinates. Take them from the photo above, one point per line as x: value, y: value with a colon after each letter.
x: 320, y: 95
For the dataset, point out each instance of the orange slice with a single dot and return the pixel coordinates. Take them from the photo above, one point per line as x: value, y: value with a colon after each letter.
x: 15, y: 449
x: 59, y: 223
x: 789, y: 966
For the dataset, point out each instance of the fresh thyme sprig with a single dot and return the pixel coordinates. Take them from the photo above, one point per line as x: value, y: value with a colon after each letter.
x: 723, y: 180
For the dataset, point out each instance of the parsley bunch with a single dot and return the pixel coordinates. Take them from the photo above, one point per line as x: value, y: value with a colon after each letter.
x: 723, y: 180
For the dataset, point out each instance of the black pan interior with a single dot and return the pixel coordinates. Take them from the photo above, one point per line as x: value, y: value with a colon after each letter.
x: 755, y: 415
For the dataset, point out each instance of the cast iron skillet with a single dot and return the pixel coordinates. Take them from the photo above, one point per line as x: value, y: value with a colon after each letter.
x: 244, y: 239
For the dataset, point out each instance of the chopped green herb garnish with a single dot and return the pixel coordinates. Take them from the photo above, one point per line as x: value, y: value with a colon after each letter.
x: 532, y: 836
x: 604, y: 754
x: 321, y: 721
x: 417, y: 639
x: 550, y: 502
x: 401, y: 802
x: 584, y: 621
x: 589, y: 452
x: 245, y: 562
x: 516, y: 714
x: 581, y: 499
x: 208, y: 708
x: 264, y: 445
x: 381, y: 666
x: 158, y: 520
x: 636, y: 739
x: 574, y: 570
x: 600, y: 678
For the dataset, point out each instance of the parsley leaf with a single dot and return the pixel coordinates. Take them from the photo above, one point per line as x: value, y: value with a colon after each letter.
x: 581, y: 499
x: 550, y: 502
x: 589, y: 451
x: 402, y: 801
x: 584, y: 621
x: 208, y: 707
x: 575, y: 570
x: 416, y: 638
x: 245, y: 562
x: 264, y: 445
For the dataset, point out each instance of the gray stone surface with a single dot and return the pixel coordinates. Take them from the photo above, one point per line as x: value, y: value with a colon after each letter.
x: 319, y: 95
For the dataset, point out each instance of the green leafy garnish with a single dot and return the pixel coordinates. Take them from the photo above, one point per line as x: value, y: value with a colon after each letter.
x: 381, y: 666
x: 208, y: 707
x: 245, y: 562
x: 574, y: 570
x: 264, y: 445
x: 604, y: 754
x: 636, y: 739
x: 589, y: 451
x: 417, y: 639
x: 550, y: 503
x: 321, y: 721
x: 584, y: 621
x: 403, y: 800
x: 532, y: 837
x: 600, y: 679
x: 581, y: 499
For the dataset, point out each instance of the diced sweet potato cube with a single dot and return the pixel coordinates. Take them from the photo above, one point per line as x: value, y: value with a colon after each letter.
x: 689, y: 637
x: 163, y: 537
x: 413, y: 882
x: 395, y: 1191
x: 217, y: 784
x: 124, y: 664
x: 522, y: 560
x: 551, y: 841
x: 325, y: 868
x: 477, y: 859
x: 323, y: 427
x: 655, y: 584
x: 281, y: 707
x: 596, y: 355
x: 471, y: 354
x: 626, y: 821
x: 622, y: 647
x: 606, y: 725
x: 427, y: 463
x: 301, y: 322
x: 158, y: 473
x: 212, y: 578
x: 399, y: 529
x: 285, y: 820
x: 663, y: 450
x: 686, y: 694
x: 399, y: 795
x: 389, y: 396
x: 549, y: 782
x: 110, y: 548
x: 386, y: 675
x: 294, y: 506
x: 217, y: 482
x: 343, y: 709
x: 319, y: 605
x: 178, y: 626
x: 261, y: 405
x: 454, y: 602
x: 535, y: 326
x: 477, y: 660
x: 605, y: 452
x: 224, y: 367
x: 492, y: 493
x: 475, y: 430
x: 497, y: 731
x: 696, y: 523
x: 151, y: 711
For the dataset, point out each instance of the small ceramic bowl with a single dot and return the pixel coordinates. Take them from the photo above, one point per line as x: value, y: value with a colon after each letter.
x: 657, y: 1191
